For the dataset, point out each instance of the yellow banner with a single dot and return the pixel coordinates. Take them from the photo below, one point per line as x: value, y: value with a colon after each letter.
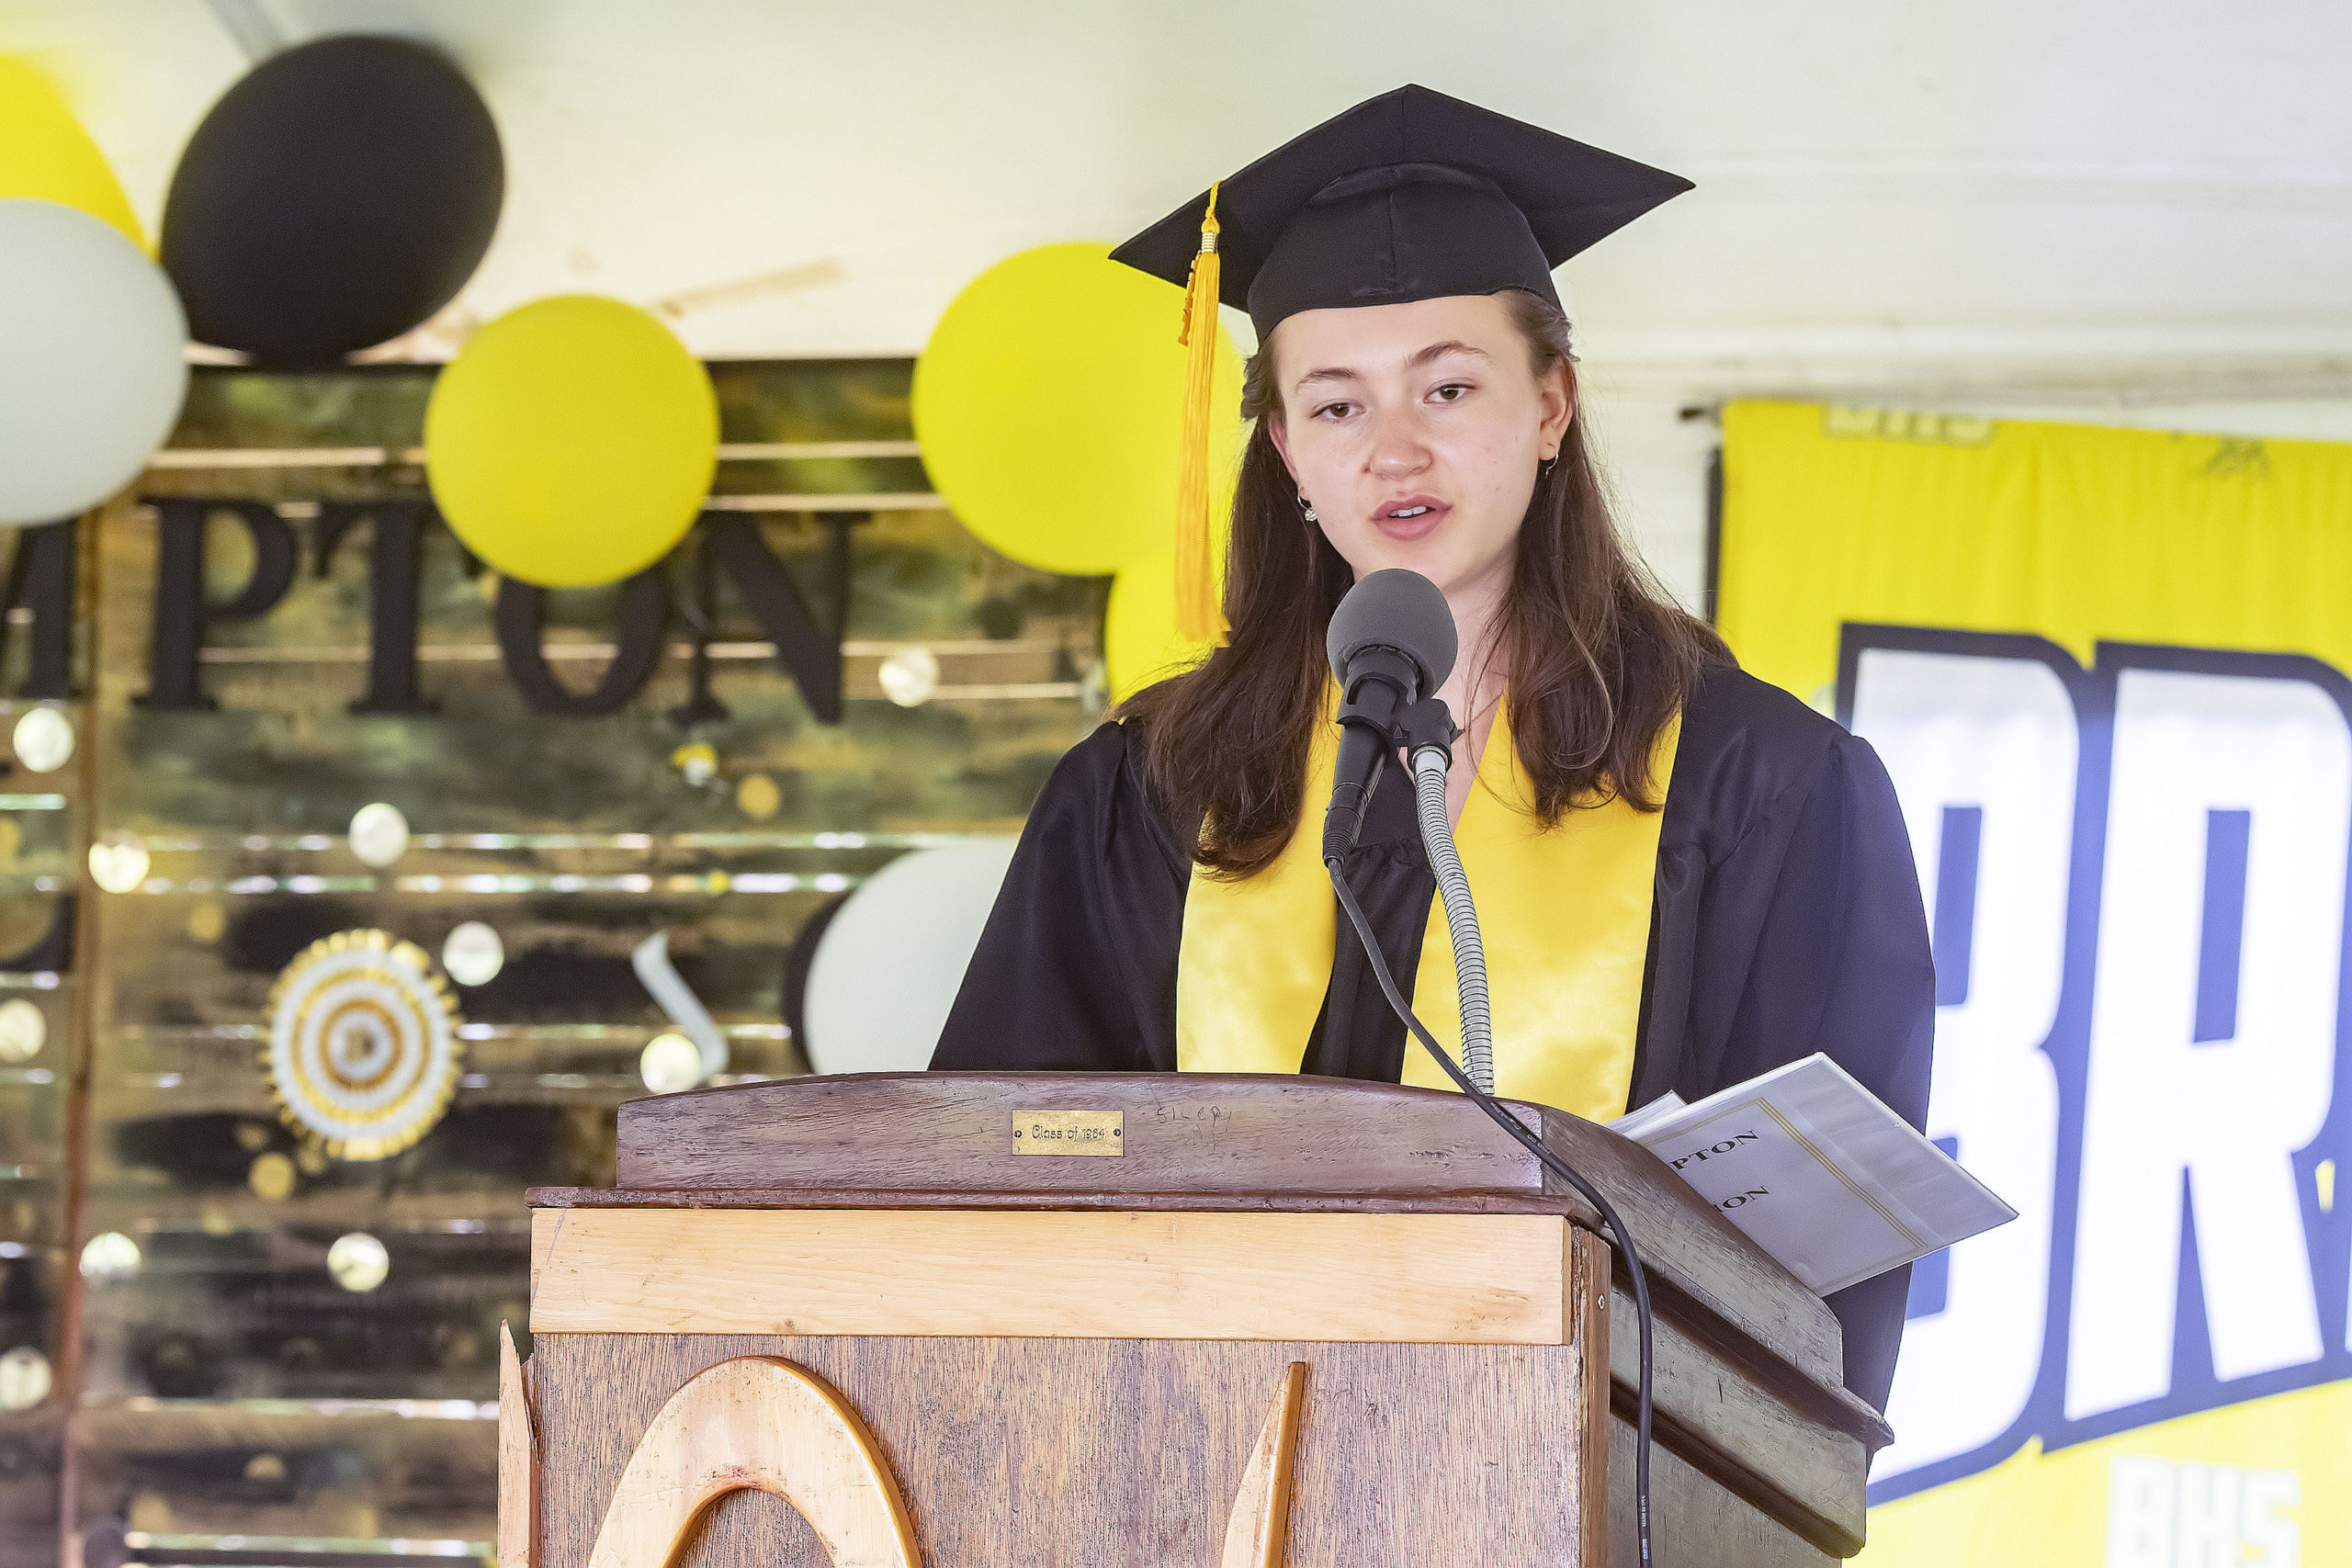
x: 2076, y: 532
x: 2104, y: 669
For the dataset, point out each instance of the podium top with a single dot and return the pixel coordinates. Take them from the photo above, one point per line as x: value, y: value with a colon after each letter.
x: 1122, y: 1134
x: 1194, y: 1141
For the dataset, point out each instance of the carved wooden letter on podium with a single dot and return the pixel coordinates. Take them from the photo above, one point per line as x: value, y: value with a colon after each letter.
x: 518, y: 1462
x: 762, y: 1424
x: 1257, y: 1534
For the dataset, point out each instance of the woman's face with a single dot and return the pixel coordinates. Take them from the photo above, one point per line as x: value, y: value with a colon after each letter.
x: 1414, y: 431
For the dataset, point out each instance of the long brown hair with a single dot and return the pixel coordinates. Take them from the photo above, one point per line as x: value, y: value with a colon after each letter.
x: 1599, y: 659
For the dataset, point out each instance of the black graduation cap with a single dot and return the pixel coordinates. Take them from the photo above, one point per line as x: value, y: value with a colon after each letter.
x: 1412, y: 195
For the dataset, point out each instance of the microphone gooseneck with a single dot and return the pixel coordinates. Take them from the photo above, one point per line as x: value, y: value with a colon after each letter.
x: 1430, y: 764
x: 1392, y: 644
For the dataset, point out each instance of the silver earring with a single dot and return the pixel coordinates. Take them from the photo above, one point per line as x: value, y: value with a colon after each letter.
x: 1544, y: 468
x: 1307, y: 508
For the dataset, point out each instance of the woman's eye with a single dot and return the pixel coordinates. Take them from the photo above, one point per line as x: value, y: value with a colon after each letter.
x: 1334, y: 410
x: 1452, y: 392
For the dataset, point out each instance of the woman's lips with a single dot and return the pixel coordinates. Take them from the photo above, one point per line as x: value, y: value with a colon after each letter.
x: 1420, y: 526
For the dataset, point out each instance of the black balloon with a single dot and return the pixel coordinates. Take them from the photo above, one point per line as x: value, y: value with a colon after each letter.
x: 336, y: 197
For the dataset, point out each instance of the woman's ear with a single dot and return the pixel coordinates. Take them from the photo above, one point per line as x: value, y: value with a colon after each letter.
x: 1557, y: 402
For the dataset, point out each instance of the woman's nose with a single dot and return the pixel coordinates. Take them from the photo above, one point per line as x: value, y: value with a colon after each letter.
x: 1397, y: 448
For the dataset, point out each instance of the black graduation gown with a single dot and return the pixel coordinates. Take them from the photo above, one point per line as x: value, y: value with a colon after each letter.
x: 1787, y: 921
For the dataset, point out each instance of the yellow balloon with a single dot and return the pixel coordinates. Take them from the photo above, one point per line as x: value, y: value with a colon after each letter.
x: 47, y: 156
x: 1050, y: 404
x: 1140, y: 643
x: 572, y: 442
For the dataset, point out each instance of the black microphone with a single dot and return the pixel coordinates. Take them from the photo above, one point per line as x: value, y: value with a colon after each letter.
x: 1391, y: 644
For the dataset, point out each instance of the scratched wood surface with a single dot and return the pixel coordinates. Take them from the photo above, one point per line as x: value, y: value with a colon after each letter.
x: 1257, y: 1141
x: 1120, y: 1454
x: 1184, y: 1133
x: 1136, y: 1453
x: 1796, y: 1448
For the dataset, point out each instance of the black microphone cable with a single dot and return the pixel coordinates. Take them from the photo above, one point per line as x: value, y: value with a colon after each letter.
x: 1557, y: 1167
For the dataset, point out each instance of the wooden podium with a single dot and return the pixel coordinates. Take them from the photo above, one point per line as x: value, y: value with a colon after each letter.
x: 1023, y: 1321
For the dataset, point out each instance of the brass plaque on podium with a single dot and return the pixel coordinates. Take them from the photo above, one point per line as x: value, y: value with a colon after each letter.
x: 1068, y: 1132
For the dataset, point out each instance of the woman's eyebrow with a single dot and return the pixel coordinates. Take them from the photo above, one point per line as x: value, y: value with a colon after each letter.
x: 1440, y: 350
x: 1434, y: 351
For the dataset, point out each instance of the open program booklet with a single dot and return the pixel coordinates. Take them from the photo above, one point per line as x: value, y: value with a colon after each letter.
x: 1818, y: 1172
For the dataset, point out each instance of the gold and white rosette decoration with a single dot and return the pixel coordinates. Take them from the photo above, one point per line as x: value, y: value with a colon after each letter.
x: 363, y: 1051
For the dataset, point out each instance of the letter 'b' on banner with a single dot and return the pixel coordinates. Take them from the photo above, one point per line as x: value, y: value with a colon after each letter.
x: 2107, y: 671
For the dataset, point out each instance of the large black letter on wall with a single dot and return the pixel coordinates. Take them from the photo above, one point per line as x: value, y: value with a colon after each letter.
x: 182, y: 612
x: 40, y: 581
x: 395, y: 558
x: 811, y: 655
x: 644, y: 615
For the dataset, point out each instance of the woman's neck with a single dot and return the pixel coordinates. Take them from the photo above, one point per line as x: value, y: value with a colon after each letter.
x: 1473, y: 691
x: 1481, y: 664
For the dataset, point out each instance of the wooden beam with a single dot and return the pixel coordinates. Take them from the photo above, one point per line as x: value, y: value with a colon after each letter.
x: 1405, y: 1277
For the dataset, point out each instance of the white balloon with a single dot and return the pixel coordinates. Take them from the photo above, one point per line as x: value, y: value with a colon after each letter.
x: 93, y: 360
x: 888, y: 968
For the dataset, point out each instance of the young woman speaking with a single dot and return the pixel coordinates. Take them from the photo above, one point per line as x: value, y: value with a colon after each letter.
x: 1685, y: 877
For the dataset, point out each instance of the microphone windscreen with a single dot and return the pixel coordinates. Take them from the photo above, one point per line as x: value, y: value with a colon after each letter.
x: 1396, y: 609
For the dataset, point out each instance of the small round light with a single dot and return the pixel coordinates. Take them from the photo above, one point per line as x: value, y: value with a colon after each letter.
x: 24, y: 1030
x: 207, y: 921
x: 44, y: 740
x: 473, y: 954
x: 698, y: 760
x: 670, y: 1062
x: 909, y: 676
x: 271, y: 1177
x: 379, y: 834
x: 24, y: 1378
x: 358, y: 1261
x: 109, y: 1258
x: 758, y: 798
x: 119, y: 863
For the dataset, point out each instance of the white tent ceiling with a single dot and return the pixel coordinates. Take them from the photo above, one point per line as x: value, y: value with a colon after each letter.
x: 2021, y: 197
x: 2122, y: 210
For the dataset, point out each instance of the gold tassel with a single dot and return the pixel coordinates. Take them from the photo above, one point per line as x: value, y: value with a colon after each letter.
x: 1199, y: 617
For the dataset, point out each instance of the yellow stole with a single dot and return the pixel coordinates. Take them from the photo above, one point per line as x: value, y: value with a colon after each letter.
x: 1564, y: 916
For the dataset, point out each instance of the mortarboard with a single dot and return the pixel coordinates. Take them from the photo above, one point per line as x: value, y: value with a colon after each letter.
x: 1409, y: 196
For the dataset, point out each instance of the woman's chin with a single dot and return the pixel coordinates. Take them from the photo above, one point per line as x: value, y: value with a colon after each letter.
x: 1426, y: 556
